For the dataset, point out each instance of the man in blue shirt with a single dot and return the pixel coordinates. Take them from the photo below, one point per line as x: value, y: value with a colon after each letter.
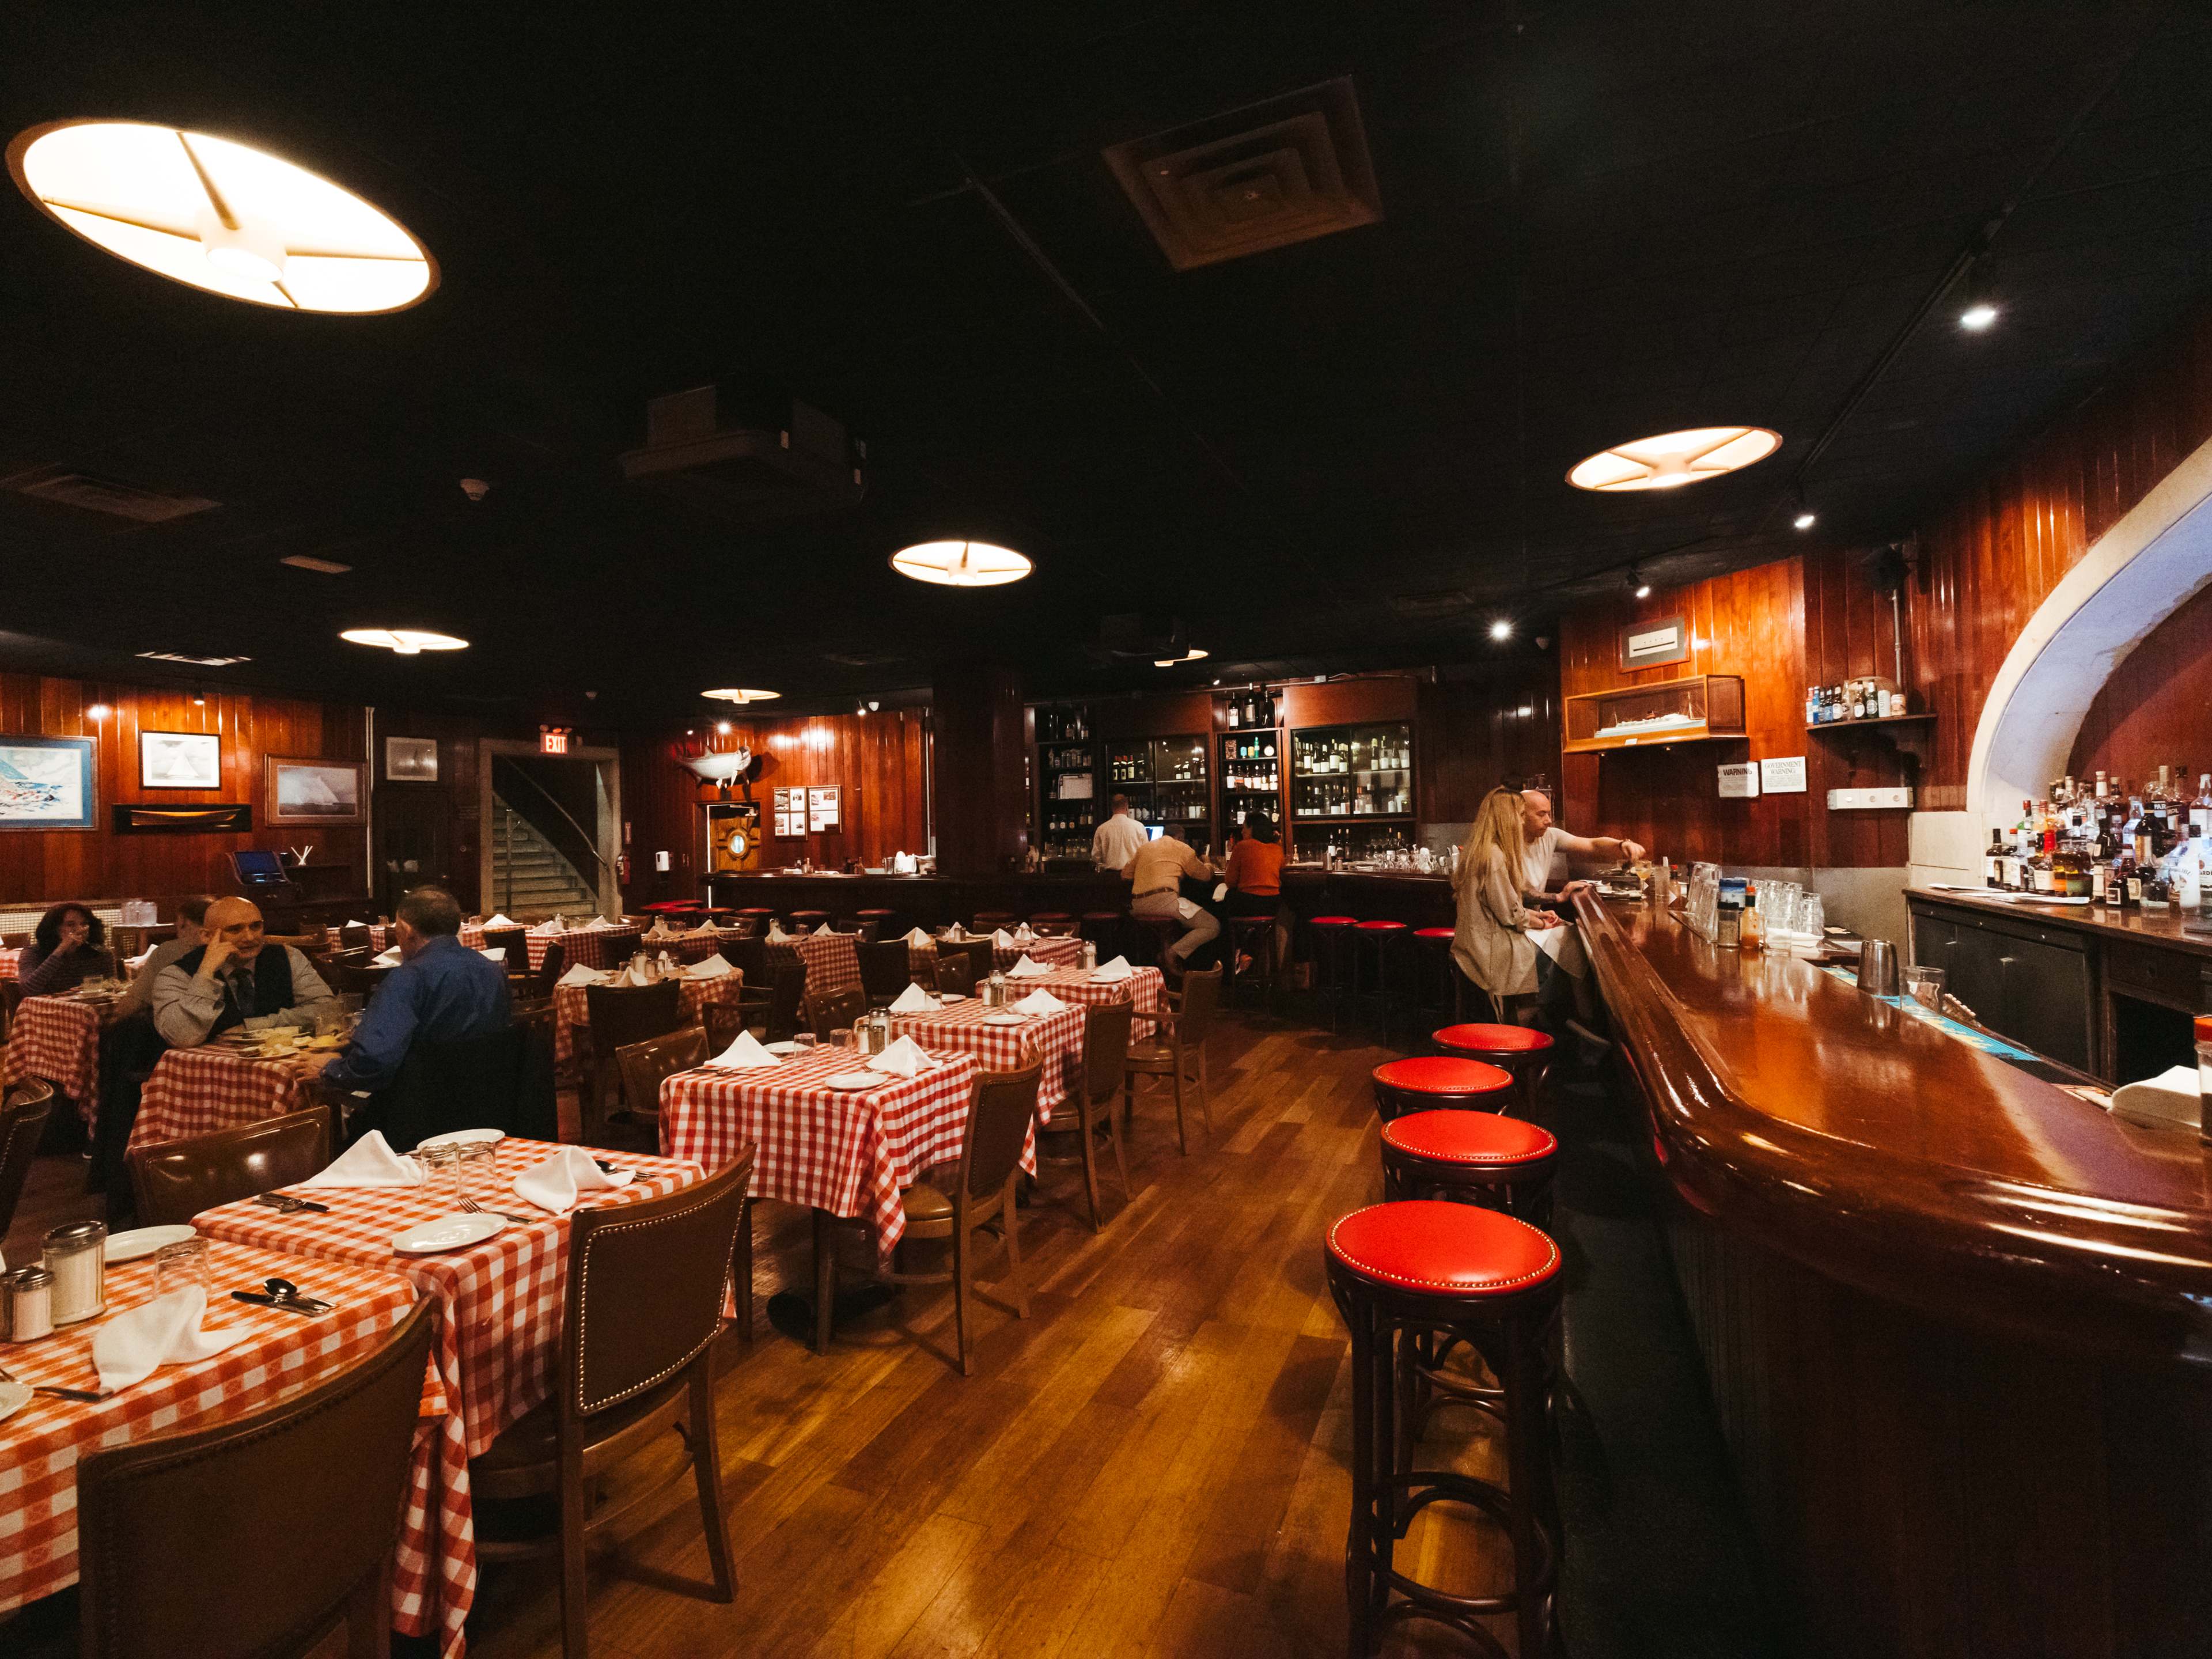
x: 441, y: 990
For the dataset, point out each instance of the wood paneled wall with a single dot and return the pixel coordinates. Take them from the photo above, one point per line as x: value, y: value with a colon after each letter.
x: 97, y: 863
x: 438, y: 825
x: 1472, y: 735
x: 2156, y: 709
x: 1994, y: 556
x: 879, y: 760
x: 980, y: 787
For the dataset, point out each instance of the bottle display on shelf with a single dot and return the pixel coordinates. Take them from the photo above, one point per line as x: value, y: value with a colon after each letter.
x: 1871, y: 698
x: 1353, y: 772
x: 2119, y: 846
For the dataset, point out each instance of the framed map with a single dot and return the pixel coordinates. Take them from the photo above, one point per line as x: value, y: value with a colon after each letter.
x: 45, y: 783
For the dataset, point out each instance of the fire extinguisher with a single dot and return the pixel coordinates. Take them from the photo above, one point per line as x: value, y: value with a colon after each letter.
x: 622, y: 868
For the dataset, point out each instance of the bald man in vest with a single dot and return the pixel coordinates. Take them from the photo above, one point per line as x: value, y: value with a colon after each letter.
x: 236, y: 981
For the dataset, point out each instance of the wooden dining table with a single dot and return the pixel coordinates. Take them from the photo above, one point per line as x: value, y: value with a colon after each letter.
x: 222, y: 1084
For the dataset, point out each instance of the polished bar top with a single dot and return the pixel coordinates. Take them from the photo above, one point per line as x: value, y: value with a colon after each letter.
x: 2164, y: 928
x: 1887, y: 1154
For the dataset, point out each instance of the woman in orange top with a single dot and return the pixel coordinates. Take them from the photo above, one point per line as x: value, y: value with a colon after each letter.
x: 1255, y: 878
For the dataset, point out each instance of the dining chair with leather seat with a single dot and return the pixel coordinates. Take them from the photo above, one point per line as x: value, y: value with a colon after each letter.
x: 618, y: 1015
x: 955, y: 971
x: 643, y: 1307
x: 982, y: 956
x: 1180, y: 1056
x: 323, y: 1477
x: 515, y: 943
x: 835, y: 1010
x: 23, y: 1111
x: 173, y: 1181
x: 461, y: 1083
x: 1105, y: 1061
x: 539, y: 981
x: 886, y: 969
x: 353, y: 972
x: 356, y: 936
x: 11, y: 999
x: 644, y: 1066
x: 786, y: 994
x: 952, y: 1202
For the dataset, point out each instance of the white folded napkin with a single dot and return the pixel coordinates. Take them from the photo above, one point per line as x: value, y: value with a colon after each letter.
x: 777, y: 935
x: 667, y: 964
x: 163, y: 1332
x: 498, y: 919
x: 708, y: 968
x: 1002, y: 936
x: 579, y: 975
x: 1039, y: 1002
x: 1026, y: 969
x: 903, y: 1058
x: 556, y: 925
x: 637, y: 973
x: 1106, y: 973
x: 386, y: 958
x: 139, y: 961
x: 914, y: 1000
x: 1023, y: 935
x: 956, y: 930
x: 598, y: 924
x: 743, y: 1054
x: 369, y: 1162
x: 557, y: 1183
x: 916, y: 936
x: 495, y: 952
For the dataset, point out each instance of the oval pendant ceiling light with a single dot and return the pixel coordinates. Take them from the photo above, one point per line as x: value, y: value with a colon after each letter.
x: 1675, y: 458
x: 221, y: 216
x: 741, y: 694
x: 961, y: 564
x: 404, y: 641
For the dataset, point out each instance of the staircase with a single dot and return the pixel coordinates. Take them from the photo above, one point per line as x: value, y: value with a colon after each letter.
x: 530, y: 879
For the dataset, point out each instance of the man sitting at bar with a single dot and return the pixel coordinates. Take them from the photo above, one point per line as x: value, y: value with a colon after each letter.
x: 1546, y: 841
x: 236, y: 981
x: 1155, y: 876
x: 1116, y: 841
x: 442, y: 991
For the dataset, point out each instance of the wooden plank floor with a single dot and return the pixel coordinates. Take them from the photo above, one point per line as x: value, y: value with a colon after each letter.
x: 1152, y: 1463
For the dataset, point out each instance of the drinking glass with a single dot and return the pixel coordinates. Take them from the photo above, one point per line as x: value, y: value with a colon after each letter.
x: 440, y: 1166
x: 842, y: 1037
x: 476, y: 1169
x: 1811, y: 915
x: 803, y: 1040
x: 177, y: 1265
x: 1925, y: 987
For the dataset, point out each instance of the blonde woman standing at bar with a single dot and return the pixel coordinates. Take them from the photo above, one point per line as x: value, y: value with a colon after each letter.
x: 1492, y: 944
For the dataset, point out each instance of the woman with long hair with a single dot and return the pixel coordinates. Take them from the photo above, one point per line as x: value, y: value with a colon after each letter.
x: 68, y: 946
x: 1492, y: 944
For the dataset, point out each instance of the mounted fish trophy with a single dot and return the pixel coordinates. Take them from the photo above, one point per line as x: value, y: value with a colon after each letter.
x: 733, y: 824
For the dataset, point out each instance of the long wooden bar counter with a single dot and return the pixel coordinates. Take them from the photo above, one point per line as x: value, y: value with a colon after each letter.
x: 1957, y: 1320
x: 926, y: 900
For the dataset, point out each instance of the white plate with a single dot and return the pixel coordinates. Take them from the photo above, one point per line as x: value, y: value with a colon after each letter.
x: 952, y: 996
x: 142, y: 1242
x: 14, y: 1396
x: 781, y: 1047
x: 464, y: 1138
x: 456, y: 1231
x: 1006, y: 1019
x: 856, y: 1080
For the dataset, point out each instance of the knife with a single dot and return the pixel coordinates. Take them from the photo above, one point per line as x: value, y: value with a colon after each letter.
x: 298, y: 1304
x: 288, y: 1204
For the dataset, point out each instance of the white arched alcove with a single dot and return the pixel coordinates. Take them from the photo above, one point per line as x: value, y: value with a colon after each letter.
x: 2136, y: 575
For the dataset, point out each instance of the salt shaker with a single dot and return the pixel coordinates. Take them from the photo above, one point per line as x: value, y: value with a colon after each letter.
x: 27, y: 1296
x: 76, y: 1257
x: 1089, y: 954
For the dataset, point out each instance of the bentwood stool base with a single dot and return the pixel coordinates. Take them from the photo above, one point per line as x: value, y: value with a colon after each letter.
x: 1407, y: 1276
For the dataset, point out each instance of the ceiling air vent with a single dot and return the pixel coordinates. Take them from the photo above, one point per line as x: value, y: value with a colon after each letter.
x: 196, y: 662
x: 1438, y: 602
x: 862, y: 659
x: 1252, y: 180
x: 745, y: 473
x: 117, y: 501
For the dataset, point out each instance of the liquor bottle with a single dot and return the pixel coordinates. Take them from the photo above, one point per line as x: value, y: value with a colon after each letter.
x: 1993, y: 861
x: 1233, y: 711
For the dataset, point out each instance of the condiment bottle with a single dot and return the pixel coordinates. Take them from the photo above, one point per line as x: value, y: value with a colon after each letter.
x: 76, y: 1257
x: 29, y: 1295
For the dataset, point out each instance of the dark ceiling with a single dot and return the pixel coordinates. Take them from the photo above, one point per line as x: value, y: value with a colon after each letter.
x: 1599, y: 221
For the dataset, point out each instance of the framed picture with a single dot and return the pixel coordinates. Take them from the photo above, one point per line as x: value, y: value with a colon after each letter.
x: 45, y: 783
x: 410, y: 760
x: 179, y: 760
x: 315, y: 791
x: 1653, y: 644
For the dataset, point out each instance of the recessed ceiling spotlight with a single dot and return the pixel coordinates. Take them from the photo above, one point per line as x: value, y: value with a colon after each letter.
x: 733, y: 693
x: 406, y: 641
x: 221, y: 216
x: 961, y: 564
x: 1501, y: 629
x: 722, y: 727
x: 1636, y: 583
x: 873, y: 705
x: 1675, y: 458
x: 1527, y: 709
x: 1804, y: 521
x: 1978, y: 316
x: 1191, y: 655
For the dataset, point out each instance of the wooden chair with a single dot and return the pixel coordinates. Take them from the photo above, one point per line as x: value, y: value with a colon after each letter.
x: 982, y: 1190
x: 352, y: 972
x: 1182, y: 1057
x: 11, y: 999
x: 539, y: 981
x: 786, y: 994
x: 643, y: 1310
x: 955, y: 972
x: 722, y: 1021
x: 356, y: 936
x: 515, y: 941
x: 466, y: 1082
x: 173, y: 1181
x: 618, y: 1015
x: 324, y: 1476
x: 886, y: 969
x: 1105, y: 1055
x: 982, y: 954
x: 22, y: 1120
x: 644, y: 1066
x: 837, y: 1010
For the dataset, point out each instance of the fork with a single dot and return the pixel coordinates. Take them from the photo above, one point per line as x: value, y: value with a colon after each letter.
x: 474, y: 1208
x: 65, y: 1394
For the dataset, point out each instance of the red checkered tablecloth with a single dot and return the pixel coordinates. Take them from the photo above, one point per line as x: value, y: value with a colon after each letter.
x: 58, y: 1038
x: 1056, y: 949
x: 684, y: 947
x: 595, y: 947
x: 380, y: 935
x: 40, y: 1444
x: 832, y: 962
x: 849, y: 1153
x: 571, y: 1008
x: 11, y: 962
x: 217, y: 1085
x: 1145, y: 988
x: 1056, y: 1039
x: 497, y: 1341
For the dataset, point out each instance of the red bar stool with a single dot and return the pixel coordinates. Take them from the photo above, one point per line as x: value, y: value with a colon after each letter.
x: 1374, y: 945
x: 809, y: 921
x: 1488, y: 1159
x: 1423, y: 1082
x: 1521, y: 1049
x: 1332, y: 940
x: 1435, y: 985
x: 1407, y: 1276
x: 755, y: 916
x: 989, y: 921
x: 882, y: 918
x: 1108, y: 930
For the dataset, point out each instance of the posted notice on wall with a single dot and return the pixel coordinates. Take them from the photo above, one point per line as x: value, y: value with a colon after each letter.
x: 824, y: 807
x: 1783, y: 776
x: 1739, y: 782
